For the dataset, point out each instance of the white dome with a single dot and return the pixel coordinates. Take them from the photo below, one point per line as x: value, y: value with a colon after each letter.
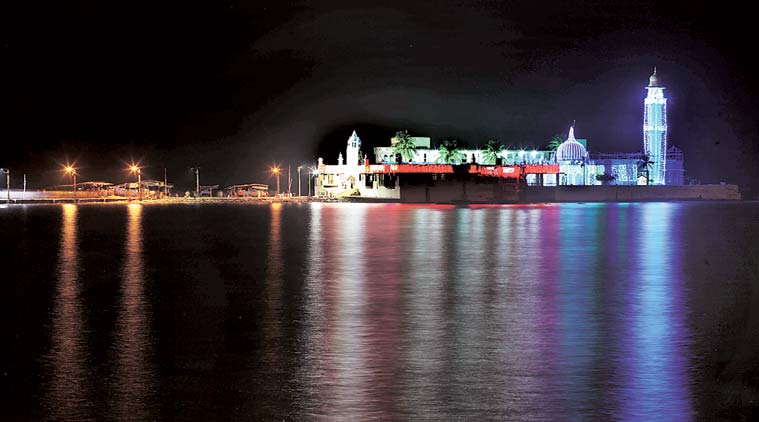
x: 570, y: 150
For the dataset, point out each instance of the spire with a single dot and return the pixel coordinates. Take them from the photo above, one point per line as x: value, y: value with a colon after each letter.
x: 653, y: 80
x: 354, y: 140
x: 571, y: 136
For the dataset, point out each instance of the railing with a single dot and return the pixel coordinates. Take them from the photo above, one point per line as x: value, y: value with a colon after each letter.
x: 17, y: 194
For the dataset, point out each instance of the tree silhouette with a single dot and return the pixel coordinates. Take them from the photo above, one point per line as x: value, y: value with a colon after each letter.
x: 645, y: 165
x: 554, y: 142
x: 404, y: 146
x: 450, y: 152
x: 492, y: 151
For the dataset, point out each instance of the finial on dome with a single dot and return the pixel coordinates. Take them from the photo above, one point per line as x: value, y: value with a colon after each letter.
x: 653, y: 80
x: 571, y: 149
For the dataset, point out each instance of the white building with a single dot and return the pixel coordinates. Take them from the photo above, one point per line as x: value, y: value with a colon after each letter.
x: 353, y: 175
x: 575, y: 168
x: 350, y: 178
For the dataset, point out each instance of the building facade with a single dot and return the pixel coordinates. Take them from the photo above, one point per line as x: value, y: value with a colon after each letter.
x: 570, y: 164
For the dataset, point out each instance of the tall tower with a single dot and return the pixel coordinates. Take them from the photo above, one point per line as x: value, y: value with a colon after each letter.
x: 352, y: 152
x: 655, y: 130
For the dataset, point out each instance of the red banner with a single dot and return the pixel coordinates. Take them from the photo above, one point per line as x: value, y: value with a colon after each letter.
x: 506, y: 172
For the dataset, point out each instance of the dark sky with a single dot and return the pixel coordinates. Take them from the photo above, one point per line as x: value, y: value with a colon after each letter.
x: 233, y: 86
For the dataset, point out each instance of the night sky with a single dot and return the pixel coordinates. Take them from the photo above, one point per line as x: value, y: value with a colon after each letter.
x: 235, y: 86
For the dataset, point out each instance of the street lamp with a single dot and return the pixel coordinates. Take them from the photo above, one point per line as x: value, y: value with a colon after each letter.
x: 71, y: 170
x: 197, y: 180
x: 275, y: 171
x: 299, y: 167
x: 7, y: 183
x: 137, y: 170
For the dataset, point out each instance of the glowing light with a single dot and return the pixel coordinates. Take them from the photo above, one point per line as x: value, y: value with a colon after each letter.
x: 655, y: 130
x: 275, y: 171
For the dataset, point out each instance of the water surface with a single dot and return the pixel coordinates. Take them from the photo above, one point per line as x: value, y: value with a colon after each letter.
x: 643, y: 311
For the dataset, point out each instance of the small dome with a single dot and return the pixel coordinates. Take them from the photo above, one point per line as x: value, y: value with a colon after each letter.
x: 653, y: 80
x: 570, y: 150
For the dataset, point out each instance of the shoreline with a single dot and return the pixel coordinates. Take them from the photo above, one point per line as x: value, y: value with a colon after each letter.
x: 451, y: 193
x: 257, y: 201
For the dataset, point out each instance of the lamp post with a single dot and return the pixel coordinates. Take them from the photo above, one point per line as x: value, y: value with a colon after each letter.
x: 275, y: 171
x: 70, y: 170
x: 7, y: 183
x: 299, y: 167
x: 197, y: 181
x: 137, y: 170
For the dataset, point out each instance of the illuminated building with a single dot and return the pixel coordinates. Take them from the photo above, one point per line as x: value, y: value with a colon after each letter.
x: 574, y: 166
x: 349, y: 177
x: 655, y: 130
x: 570, y: 164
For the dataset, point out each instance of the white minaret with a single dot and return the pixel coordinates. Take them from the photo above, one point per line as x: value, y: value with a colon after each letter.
x: 655, y: 130
x: 352, y: 151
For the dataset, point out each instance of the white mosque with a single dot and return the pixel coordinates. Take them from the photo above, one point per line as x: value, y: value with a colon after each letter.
x: 569, y: 164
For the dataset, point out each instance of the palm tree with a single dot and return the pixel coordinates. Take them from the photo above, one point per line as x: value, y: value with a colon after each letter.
x: 492, y: 151
x: 605, y: 178
x: 554, y: 142
x: 404, y: 146
x: 645, y: 165
x: 450, y: 152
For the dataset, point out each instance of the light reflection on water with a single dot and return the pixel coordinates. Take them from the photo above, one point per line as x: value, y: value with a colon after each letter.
x: 272, y: 358
x: 656, y: 358
x: 69, y: 395
x: 134, y: 382
x: 376, y: 312
x: 496, y: 312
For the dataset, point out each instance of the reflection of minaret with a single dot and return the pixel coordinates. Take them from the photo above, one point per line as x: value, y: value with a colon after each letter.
x: 313, y: 334
x: 654, y: 334
x: 655, y: 129
x: 133, y: 346
x: 68, y: 395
